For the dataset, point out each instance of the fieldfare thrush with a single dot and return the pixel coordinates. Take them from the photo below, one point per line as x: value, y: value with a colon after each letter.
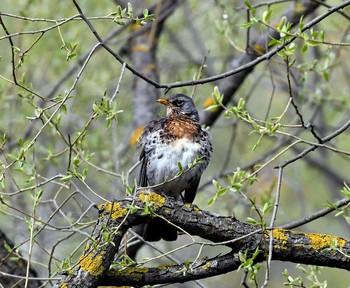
x: 176, y: 151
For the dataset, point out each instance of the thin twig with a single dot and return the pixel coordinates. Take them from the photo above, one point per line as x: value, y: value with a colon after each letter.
x: 272, y: 224
x: 316, y: 215
x: 314, y: 147
x: 118, y: 85
x: 226, y: 74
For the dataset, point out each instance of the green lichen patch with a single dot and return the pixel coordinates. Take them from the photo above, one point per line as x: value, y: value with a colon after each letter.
x: 165, y: 266
x: 136, y: 273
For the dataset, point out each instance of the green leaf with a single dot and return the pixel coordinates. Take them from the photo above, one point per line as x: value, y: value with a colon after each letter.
x: 282, y: 22
x: 133, y: 209
x: 130, y: 11
x: 119, y: 22
x: 67, y: 178
x: 39, y: 194
x: 217, y: 97
x: 216, y: 184
x: 326, y: 76
x: 64, y: 109
x: 304, y: 48
x: 266, y: 16
x: 275, y: 127
x: 322, y: 35
x: 346, y: 190
x: 2, y: 181
x: 234, y: 110
x: 274, y: 42
x: 221, y: 192
x: 255, y: 126
x: 339, y: 213
x: 85, y: 173
x: 180, y: 167
x: 248, y: 5
x: 38, y: 112
x: 212, y: 107
x: 7, y: 247
x: 237, y: 186
x: 252, y: 221
x: 266, y: 208
x: 212, y: 200
x: 247, y: 24
x: 301, y: 23
x: 242, y: 257
x: 312, y: 43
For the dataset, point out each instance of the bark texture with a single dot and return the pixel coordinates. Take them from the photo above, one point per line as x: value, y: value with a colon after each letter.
x: 116, y: 218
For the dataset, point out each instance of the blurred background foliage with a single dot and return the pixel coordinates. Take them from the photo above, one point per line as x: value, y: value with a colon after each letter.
x: 197, y: 32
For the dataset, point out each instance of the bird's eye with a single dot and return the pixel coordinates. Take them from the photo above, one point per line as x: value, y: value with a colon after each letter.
x: 179, y: 102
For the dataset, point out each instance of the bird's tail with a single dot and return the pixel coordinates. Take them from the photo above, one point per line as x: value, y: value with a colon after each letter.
x: 159, y: 229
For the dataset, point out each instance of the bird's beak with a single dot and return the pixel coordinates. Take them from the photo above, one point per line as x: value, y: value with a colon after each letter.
x: 164, y: 101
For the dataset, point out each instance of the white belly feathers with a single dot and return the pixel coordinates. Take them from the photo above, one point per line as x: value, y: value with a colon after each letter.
x: 164, y: 170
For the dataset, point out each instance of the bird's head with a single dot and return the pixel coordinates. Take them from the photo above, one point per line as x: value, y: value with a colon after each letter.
x: 179, y: 104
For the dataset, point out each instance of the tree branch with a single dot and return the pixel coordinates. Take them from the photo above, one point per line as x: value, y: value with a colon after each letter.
x: 241, y: 66
x: 116, y: 218
x: 13, y: 272
x: 173, y: 273
x: 244, y: 63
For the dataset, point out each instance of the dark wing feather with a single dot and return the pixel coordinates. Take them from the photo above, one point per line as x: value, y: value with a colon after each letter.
x: 159, y: 229
x: 190, y: 193
x: 143, y: 171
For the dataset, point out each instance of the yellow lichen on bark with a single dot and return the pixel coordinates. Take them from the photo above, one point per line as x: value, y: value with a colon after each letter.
x: 114, y: 209
x: 321, y: 241
x: 155, y: 199
x: 92, y: 264
x: 317, y: 241
x: 196, y: 209
x: 207, y: 265
x: 279, y: 234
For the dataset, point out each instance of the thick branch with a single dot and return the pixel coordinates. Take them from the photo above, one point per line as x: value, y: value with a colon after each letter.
x: 173, y: 273
x: 291, y: 246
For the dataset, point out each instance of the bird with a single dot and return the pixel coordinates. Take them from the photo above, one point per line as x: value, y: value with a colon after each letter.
x: 175, y: 152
